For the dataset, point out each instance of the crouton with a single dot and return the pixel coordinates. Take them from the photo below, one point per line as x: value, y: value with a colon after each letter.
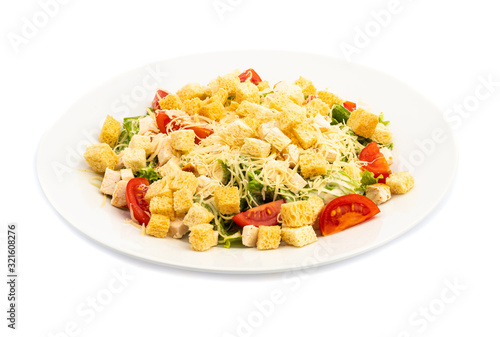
x: 291, y: 153
x: 191, y: 91
x: 170, y: 169
x: 382, y: 134
x: 317, y: 107
x: 100, y: 156
x: 315, y: 205
x: 277, y: 139
x: 197, y: 215
x: 244, y: 108
x: 134, y: 159
x: 362, y: 122
x: 183, y: 140
x: 229, y: 82
x: 126, y: 174
x: 249, y: 236
x: 299, y: 237
x: 184, y: 181
x: 234, y: 133
x: 283, y: 103
x: 157, y: 189
x: 387, y: 155
x: 141, y: 142
x: 400, y: 182
x: 329, y: 98
x: 269, y: 237
x: 306, y: 134
x: 312, y: 164
x: 263, y: 85
x: 289, y: 118
x: 192, y: 106
x: 292, y: 91
x: 247, y: 108
x: 177, y: 229
x: 227, y: 199
x: 378, y: 193
x: 202, y: 237
x: 111, y: 178
x: 296, y: 214
x: 119, y: 198
x: 258, y: 117
x: 294, y: 140
x: 220, y: 96
x: 110, y: 131
x: 163, y: 205
x: 256, y: 148
x: 170, y: 102
x: 247, y: 91
x: 147, y: 125
x: 183, y: 200
x: 233, y: 106
x: 158, y: 225
x: 307, y: 86
x: 214, y: 111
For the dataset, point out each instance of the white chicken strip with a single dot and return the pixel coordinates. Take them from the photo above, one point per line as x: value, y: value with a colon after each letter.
x: 111, y: 178
x: 119, y: 198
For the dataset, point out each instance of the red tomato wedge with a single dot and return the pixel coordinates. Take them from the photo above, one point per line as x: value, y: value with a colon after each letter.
x: 250, y: 74
x: 376, y: 161
x: 163, y: 120
x: 263, y: 215
x: 346, y: 211
x: 351, y: 106
x: 200, y: 132
x: 159, y: 95
x: 136, y: 201
x: 310, y: 98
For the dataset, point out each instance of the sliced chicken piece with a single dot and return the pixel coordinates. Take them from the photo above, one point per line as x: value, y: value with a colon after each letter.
x: 111, y: 178
x: 119, y: 198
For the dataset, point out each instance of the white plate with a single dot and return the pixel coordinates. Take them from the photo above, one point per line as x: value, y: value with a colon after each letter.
x: 414, y: 120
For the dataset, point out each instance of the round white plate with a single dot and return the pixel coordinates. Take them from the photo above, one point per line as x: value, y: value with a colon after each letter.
x: 424, y: 144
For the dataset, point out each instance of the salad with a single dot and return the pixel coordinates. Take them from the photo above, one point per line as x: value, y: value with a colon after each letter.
x: 239, y: 162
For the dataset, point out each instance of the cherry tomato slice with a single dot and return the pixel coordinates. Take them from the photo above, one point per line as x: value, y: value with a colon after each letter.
x: 136, y: 202
x: 346, y: 211
x: 377, y: 164
x: 351, y: 106
x: 160, y: 93
x: 163, y: 119
x: 200, y: 132
x: 250, y: 74
x: 263, y: 215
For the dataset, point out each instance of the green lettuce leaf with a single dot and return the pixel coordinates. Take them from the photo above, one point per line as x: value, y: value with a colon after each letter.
x: 149, y: 173
x: 381, y: 119
x: 226, y: 174
x: 130, y: 127
x: 368, y: 178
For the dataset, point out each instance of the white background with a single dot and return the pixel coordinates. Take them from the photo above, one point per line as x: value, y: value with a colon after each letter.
x: 442, y: 48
